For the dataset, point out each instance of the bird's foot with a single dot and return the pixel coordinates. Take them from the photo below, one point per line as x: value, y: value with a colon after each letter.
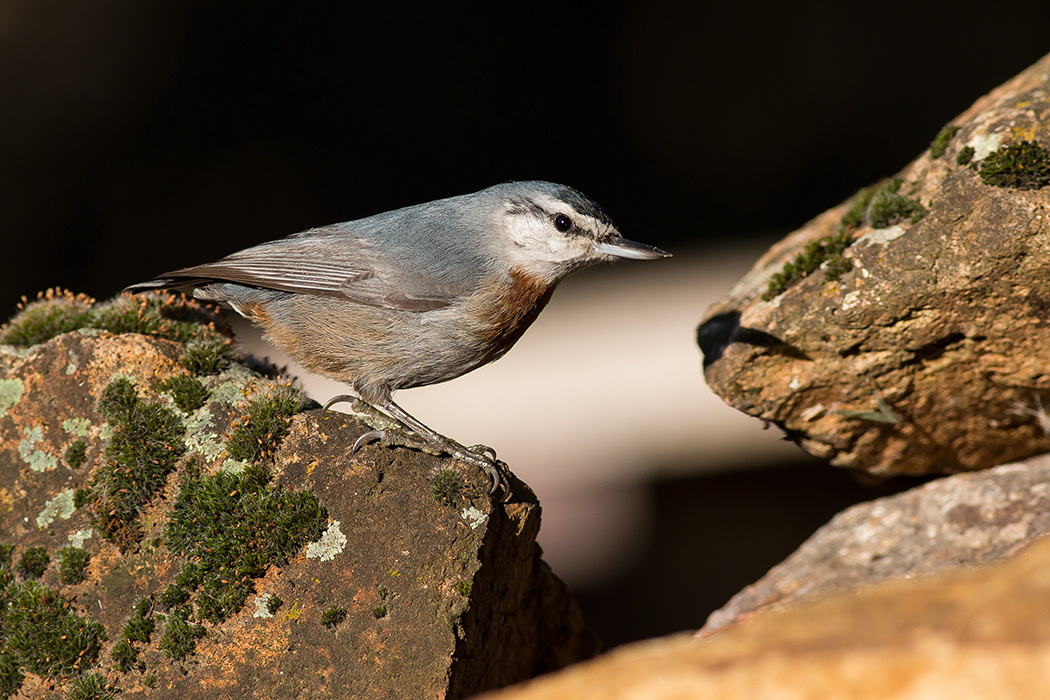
x: 484, y: 458
x: 391, y: 432
x: 480, y: 456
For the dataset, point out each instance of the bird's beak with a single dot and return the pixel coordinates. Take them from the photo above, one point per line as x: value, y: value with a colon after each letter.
x: 623, y: 248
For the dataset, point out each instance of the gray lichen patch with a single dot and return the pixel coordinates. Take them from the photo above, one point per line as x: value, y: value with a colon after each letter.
x: 61, y: 506
x: 201, y: 437
x: 78, y: 538
x: 262, y: 606
x: 76, y: 426
x: 38, y: 460
x: 74, y: 363
x: 474, y: 517
x: 233, y: 385
x: 331, y: 543
x: 267, y: 605
x: 11, y: 391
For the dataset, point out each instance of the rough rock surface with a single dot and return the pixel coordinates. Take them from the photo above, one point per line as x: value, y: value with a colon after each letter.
x: 905, y: 331
x: 296, y: 570
x: 953, y: 522
x: 975, y: 633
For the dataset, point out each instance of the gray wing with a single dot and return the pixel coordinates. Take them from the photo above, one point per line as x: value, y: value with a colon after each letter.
x: 336, y: 261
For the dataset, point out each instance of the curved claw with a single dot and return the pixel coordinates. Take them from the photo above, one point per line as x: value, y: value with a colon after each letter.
x: 339, y: 399
x: 485, y: 450
x: 494, y: 474
x: 491, y: 467
x: 370, y: 436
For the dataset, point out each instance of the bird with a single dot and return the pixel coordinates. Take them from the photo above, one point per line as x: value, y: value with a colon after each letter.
x: 413, y: 296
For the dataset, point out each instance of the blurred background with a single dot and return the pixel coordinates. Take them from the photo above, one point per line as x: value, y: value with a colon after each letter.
x: 140, y: 137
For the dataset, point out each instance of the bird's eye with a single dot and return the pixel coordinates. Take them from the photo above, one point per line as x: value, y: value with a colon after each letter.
x: 562, y: 222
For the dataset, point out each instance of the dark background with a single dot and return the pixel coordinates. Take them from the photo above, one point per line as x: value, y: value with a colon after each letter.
x: 140, y: 136
x: 136, y: 137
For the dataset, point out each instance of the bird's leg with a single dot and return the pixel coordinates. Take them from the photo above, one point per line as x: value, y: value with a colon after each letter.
x: 386, y: 414
x: 369, y: 414
x: 471, y: 455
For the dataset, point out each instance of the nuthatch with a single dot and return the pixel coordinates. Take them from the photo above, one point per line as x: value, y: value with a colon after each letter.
x: 414, y: 296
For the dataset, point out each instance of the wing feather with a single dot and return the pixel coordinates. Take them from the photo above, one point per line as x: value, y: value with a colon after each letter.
x: 334, y: 261
x: 410, y: 259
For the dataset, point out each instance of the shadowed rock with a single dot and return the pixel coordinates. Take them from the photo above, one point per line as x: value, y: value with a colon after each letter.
x: 953, y: 522
x: 967, y: 634
x: 905, y: 331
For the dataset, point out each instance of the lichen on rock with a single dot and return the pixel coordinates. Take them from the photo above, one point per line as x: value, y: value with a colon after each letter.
x: 939, y: 319
x: 209, y: 482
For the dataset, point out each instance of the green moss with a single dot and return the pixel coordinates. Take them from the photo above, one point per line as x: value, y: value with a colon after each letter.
x: 188, y: 393
x: 91, y: 687
x: 854, y: 216
x: 1021, y: 166
x: 464, y: 587
x: 207, y: 355
x: 940, y: 144
x: 879, y: 207
x: 82, y: 497
x: 221, y: 596
x: 174, y: 596
x: 180, y: 635
x: 10, y: 674
x: 333, y: 616
x: 273, y: 604
x: 813, y: 255
x: 446, y: 485
x: 258, y: 433
x: 33, y: 562
x: 827, y: 250
x: 888, y: 207
x: 160, y: 315
x: 125, y: 656
x: 186, y: 582
x: 964, y: 156
x: 379, y: 612
x: 72, y: 565
x: 142, y: 608
x: 76, y: 454
x: 139, y: 627
x: 143, y: 449
x: 45, y: 634
x: 7, y: 588
x: 233, y: 526
x: 835, y: 267
x: 59, y: 311
x: 54, y: 312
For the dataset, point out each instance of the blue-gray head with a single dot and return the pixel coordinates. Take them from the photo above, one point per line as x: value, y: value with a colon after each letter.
x: 549, y: 230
